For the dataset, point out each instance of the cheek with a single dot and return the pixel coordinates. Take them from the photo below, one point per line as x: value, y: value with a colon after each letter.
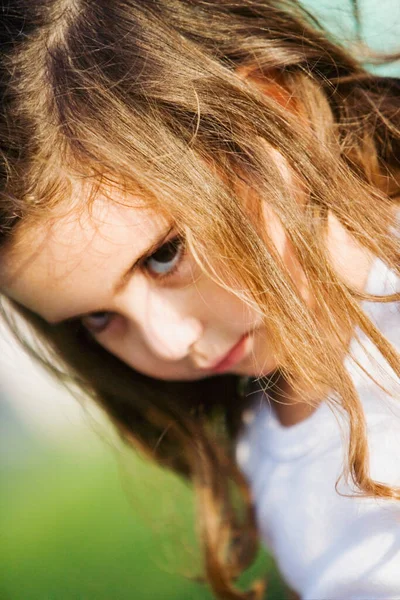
x: 224, y: 312
x: 279, y: 239
x: 134, y: 353
x: 275, y: 231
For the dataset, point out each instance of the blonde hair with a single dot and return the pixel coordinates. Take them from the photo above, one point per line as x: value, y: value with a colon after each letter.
x: 146, y: 94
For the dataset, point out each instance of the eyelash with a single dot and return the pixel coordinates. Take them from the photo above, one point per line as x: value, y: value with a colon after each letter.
x: 177, y: 241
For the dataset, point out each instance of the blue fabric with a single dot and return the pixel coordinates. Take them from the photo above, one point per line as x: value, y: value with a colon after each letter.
x: 379, y: 25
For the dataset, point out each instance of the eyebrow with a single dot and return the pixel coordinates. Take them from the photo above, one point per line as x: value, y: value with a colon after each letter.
x: 158, y: 242
x: 125, y: 277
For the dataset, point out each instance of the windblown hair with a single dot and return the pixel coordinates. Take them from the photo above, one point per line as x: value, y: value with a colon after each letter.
x: 146, y: 94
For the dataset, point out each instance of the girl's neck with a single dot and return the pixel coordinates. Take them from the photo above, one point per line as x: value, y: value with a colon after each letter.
x: 289, y: 406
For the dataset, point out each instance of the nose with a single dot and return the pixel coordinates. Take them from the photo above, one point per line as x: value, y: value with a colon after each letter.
x: 172, y: 340
x: 163, y: 320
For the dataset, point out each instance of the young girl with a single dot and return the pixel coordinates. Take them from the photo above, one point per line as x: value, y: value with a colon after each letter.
x: 198, y: 222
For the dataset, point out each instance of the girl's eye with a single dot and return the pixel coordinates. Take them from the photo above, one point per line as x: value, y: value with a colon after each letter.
x: 96, y: 322
x: 163, y: 262
x: 166, y: 258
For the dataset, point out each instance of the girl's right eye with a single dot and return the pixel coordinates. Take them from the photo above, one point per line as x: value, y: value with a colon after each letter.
x: 96, y: 322
x: 165, y: 261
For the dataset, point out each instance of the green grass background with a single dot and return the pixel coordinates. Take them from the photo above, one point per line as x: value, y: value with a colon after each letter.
x: 85, y: 521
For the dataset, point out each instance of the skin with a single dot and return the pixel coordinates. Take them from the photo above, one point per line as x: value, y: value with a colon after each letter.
x: 174, y: 327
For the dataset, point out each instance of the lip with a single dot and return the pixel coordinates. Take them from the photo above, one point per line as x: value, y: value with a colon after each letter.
x: 231, y: 358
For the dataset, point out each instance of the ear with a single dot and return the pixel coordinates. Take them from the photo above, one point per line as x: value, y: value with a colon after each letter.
x: 275, y: 87
x: 272, y: 85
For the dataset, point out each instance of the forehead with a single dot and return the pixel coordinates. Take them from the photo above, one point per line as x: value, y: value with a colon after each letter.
x: 71, y: 260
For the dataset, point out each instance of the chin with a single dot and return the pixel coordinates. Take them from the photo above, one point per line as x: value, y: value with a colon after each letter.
x: 178, y: 378
x: 256, y: 369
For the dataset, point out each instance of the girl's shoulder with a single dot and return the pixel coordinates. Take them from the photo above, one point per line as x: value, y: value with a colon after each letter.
x: 328, y: 541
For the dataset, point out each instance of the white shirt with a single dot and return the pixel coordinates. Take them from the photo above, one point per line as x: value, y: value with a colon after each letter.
x: 329, y: 546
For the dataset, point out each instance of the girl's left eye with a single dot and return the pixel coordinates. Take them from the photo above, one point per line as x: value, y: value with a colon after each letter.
x: 165, y: 260
x: 96, y: 322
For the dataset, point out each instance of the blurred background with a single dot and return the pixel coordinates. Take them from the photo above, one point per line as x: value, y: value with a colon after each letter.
x: 82, y: 518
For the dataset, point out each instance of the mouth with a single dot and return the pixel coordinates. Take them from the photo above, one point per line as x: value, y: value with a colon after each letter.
x: 231, y: 358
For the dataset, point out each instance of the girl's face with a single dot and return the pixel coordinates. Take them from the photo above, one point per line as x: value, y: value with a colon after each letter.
x: 124, y: 273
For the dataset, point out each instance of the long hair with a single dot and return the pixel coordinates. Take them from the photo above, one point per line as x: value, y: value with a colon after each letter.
x: 135, y: 94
